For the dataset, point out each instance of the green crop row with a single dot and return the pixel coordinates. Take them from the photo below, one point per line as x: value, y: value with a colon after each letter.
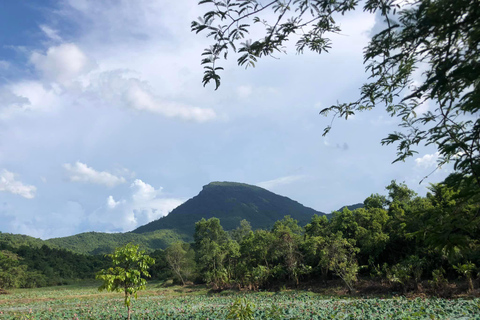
x: 287, y: 306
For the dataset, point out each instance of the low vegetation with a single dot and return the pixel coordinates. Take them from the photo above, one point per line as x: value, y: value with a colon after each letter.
x: 157, y: 302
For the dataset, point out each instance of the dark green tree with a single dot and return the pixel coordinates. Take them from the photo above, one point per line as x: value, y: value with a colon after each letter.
x: 12, y: 273
x: 210, y: 239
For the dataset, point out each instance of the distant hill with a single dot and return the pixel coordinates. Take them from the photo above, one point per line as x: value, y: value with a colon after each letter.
x: 352, y: 207
x: 18, y: 240
x: 101, y: 243
x: 231, y: 202
x: 93, y: 243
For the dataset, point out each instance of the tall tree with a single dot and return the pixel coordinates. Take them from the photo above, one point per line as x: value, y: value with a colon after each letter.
x: 209, y: 240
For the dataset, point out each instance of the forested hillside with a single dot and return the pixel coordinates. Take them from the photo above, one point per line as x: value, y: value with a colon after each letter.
x: 232, y: 202
x: 31, y: 266
x: 101, y: 243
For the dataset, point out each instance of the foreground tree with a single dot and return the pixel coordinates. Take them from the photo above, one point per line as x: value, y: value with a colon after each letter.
x: 129, y: 267
x: 440, y: 37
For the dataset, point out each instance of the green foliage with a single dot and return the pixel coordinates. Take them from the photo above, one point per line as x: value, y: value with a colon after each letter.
x: 129, y: 266
x: 42, y: 266
x: 466, y: 270
x: 340, y: 258
x: 439, y: 37
x: 181, y: 259
x: 242, y: 231
x: 438, y: 282
x: 274, y: 312
x: 12, y: 274
x: 241, y: 309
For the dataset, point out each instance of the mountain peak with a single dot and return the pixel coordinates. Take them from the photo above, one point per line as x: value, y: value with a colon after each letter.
x: 229, y: 184
x: 231, y: 202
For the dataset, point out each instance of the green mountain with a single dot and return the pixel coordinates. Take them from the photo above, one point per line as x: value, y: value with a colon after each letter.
x: 351, y: 207
x: 231, y: 202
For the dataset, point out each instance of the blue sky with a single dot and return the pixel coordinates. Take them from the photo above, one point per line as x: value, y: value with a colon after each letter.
x: 105, y: 124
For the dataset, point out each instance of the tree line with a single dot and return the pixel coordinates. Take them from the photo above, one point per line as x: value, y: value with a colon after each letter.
x: 30, y: 267
x: 400, y: 239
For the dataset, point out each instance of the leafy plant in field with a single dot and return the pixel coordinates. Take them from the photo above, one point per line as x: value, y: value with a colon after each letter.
x: 129, y: 265
x: 398, y: 273
x: 274, y: 313
x: 241, y: 309
x: 438, y: 281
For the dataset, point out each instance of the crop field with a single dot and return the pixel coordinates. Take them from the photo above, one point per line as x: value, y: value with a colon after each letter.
x: 85, y: 302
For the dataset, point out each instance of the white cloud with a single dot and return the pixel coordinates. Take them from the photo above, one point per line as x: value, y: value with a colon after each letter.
x: 29, y: 96
x: 62, y: 63
x: 119, y: 88
x: 427, y: 161
x: 271, y: 184
x: 51, y: 33
x: 80, y: 172
x: 112, y: 204
x: 145, y: 205
x: 140, y: 99
x: 8, y: 183
x: 10, y: 100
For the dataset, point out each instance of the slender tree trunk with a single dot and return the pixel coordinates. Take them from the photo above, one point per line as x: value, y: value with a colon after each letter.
x: 470, y: 284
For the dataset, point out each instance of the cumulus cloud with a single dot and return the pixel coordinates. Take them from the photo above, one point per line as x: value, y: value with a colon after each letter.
x: 8, y: 183
x: 62, y: 63
x: 23, y: 97
x: 80, y: 172
x: 120, y: 88
x: 427, y: 161
x: 271, y: 184
x: 11, y: 100
x: 144, y: 205
x: 112, y: 204
x: 140, y: 99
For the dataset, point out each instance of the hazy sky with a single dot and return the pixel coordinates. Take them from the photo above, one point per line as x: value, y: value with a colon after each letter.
x: 105, y: 124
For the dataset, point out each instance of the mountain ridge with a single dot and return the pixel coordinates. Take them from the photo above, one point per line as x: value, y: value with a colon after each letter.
x: 232, y: 202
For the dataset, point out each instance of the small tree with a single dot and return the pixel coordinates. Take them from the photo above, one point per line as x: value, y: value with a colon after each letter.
x: 466, y: 270
x: 129, y: 265
x: 180, y: 259
x: 340, y: 259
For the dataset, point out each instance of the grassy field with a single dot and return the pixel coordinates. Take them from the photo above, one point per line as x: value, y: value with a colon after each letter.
x: 83, y: 301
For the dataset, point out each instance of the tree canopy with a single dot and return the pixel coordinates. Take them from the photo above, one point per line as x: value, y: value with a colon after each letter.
x: 440, y: 39
x: 130, y: 266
